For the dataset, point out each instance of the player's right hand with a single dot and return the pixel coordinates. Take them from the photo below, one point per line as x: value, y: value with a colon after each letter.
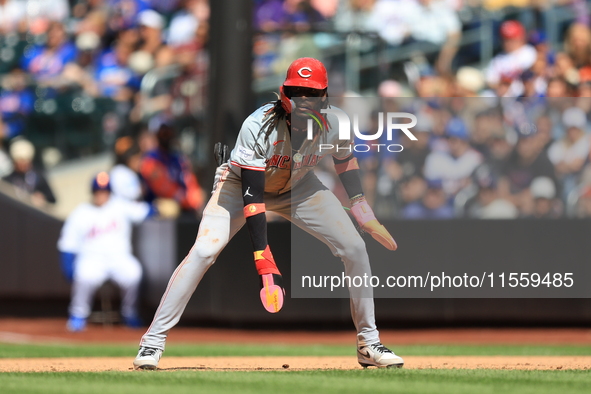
x: 272, y: 292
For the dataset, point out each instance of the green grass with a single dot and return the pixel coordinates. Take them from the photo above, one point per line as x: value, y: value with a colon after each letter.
x: 286, y: 382
x: 113, y: 350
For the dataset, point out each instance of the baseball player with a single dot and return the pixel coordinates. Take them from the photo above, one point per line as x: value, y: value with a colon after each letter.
x: 271, y: 168
x: 95, y: 245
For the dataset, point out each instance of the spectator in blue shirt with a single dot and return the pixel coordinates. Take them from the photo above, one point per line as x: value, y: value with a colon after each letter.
x: 123, y: 13
x: 434, y: 204
x: 47, y: 62
x: 16, y: 103
x: 113, y: 74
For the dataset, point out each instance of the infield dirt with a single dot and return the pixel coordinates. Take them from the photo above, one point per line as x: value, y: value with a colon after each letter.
x: 276, y: 363
x: 53, y: 331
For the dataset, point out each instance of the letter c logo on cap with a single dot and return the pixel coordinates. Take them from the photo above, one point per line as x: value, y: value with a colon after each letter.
x: 308, y: 75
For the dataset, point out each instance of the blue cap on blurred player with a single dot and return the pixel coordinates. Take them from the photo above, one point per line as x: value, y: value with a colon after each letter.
x: 101, y: 182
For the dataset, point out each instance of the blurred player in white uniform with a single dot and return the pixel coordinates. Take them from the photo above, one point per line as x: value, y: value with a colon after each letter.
x: 95, y: 245
x: 271, y: 168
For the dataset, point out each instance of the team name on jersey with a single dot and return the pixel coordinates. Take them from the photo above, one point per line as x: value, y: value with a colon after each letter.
x: 283, y: 161
x: 279, y: 161
x: 95, y: 231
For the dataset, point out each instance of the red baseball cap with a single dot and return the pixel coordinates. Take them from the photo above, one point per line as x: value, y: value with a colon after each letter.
x: 511, y: 30
x: 307, y: 72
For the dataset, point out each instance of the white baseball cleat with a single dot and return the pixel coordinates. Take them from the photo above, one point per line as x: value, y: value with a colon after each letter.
x: 377, y: 355
x: 147, y: 358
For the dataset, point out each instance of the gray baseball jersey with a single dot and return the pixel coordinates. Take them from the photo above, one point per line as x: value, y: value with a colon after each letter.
x: 291, y: 190
x: 283, y: 169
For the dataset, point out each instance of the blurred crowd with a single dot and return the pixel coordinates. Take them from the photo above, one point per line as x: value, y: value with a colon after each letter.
x: 150, y: 168
x: 505, y: 139
x: 76, y: 56
x: 524, y: 35
x: 476, y: 158
x: 287, y: 27
x: 70, y: 79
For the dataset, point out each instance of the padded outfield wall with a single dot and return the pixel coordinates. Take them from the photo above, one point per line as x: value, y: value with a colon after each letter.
x: 31, y: 282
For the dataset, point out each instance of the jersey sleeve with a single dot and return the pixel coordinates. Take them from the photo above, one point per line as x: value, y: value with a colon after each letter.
x: 136, y: 211
x: 248, y: 153
x: 343, y: 150
x: 72, y: 233
x: 125, y: 183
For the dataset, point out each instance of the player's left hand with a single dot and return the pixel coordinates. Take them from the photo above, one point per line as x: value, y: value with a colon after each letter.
x: 380, y: 234
x: 368, y: 222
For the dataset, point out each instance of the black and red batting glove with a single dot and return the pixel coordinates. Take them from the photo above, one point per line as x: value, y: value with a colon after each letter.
x: 272, y: 292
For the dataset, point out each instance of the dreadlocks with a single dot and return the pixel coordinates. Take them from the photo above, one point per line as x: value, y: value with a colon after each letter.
x: 272, y: 117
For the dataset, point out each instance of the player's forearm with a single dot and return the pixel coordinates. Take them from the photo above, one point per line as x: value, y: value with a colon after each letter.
x: 348, y: 171
x: 253, y: 188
